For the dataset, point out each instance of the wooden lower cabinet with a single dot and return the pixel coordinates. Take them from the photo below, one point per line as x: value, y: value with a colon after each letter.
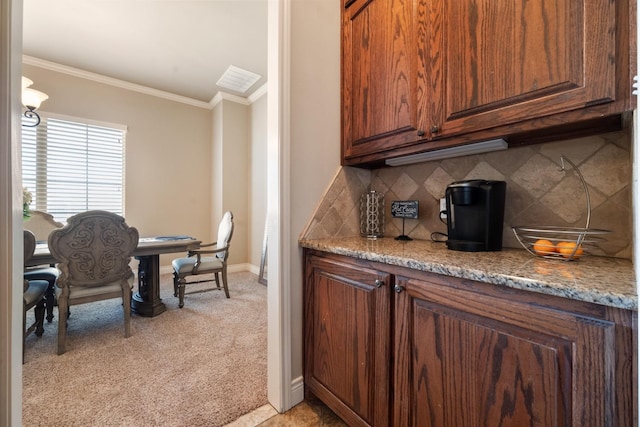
x: 347, y: 345
x: 447, y: 352
x: 465, y: 356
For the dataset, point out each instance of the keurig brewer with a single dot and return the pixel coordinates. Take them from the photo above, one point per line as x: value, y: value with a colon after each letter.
x: 475, y: 215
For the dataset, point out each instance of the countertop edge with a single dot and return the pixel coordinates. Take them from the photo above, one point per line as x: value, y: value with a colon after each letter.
x: 582, y: 289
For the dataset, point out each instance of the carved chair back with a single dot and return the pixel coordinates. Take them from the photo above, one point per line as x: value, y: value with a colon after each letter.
x: 41, y: 224
x: 225, y: 232
x: 94, y: 248
x: 29, y: 245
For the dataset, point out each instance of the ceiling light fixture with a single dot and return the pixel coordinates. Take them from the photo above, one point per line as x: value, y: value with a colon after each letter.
x: 447, y: 153
x: 32, y: 99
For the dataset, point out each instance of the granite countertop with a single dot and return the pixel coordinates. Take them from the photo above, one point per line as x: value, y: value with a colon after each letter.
x: 601, y: 280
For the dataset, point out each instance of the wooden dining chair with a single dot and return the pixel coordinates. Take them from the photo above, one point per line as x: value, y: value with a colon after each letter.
x: 205, y: 261
x: 94, y: 250
x: 34, y: 291
x: 41, y: 224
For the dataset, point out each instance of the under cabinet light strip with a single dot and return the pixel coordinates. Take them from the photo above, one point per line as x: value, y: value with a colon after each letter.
x: 447, y: 153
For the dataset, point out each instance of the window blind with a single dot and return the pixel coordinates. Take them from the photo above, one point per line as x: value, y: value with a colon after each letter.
x: 71, y: 167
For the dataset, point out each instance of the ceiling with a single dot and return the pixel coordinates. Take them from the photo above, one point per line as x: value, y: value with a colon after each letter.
x: 178, y: 46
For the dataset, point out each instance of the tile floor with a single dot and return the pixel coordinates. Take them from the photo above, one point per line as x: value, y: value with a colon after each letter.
x: 310, y: 413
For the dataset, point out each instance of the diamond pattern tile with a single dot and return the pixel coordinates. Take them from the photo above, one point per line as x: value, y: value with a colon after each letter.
x: 567, y: 199
x: 437, y: 182
x: 604, y: 172
x: 538, y: 192
x: 484, y: 170
x: 538, y: 175
x: 404, y: 187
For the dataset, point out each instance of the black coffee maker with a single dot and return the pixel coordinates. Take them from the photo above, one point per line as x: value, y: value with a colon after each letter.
x: 475, y: 215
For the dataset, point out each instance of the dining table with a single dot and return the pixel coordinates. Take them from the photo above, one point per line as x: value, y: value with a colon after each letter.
x: 146, y: 300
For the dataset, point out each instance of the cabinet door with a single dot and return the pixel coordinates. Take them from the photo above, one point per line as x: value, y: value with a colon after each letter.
x: 381, y: 89
x: 501, y: 62
x: 347, y: 339
x: 464, y: 359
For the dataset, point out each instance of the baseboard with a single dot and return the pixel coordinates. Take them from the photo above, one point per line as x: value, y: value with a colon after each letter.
x: 235, y: 268
x: 297, y: 391
x: 254, y: 269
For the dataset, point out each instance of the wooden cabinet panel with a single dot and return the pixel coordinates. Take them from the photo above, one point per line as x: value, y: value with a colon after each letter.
x: 504, y: 62
x: 467, y: 359
x: 447, y: 352
x: 427, y: 75
x: 347, y: 340
x: 471, y: 375
x: 379, y: 84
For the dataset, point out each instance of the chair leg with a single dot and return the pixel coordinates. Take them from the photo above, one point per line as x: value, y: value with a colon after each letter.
x: 50, y: 296
x: 24, y: 330
x: 38, y: 325
x: 175, y: 283
x: 63, y: 310
x: 217, y: 277
x: 224, y: 281
x: 181, y: 286
x: 39, y: 312
x: 126, y: 306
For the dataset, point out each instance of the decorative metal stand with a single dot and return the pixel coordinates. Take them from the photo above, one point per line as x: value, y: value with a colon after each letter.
x: 372, y: 215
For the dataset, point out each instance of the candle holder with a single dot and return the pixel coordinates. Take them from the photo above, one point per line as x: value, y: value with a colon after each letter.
x: 372, y: 215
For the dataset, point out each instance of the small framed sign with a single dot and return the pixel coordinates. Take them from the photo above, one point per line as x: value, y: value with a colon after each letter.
x: 405, y: 209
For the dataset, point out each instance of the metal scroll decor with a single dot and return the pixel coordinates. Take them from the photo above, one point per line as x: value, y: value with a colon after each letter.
x: 372, y: 214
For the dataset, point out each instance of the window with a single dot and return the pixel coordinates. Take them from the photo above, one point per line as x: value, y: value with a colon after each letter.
x: 71, y: 167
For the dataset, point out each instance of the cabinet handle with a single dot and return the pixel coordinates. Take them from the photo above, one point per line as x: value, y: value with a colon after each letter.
x: 398, y: 288
x: 435, y: 129
x: 378, y: 283
x: 420, y: 133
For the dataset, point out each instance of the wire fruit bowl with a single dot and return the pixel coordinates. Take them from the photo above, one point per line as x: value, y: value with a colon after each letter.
x: 565, y: 243
x: 574, y: 242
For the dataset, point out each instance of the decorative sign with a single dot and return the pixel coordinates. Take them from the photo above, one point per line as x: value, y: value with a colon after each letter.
x: 405, y: 209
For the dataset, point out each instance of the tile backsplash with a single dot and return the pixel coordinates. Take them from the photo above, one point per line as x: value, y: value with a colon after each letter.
x: 538, y: 192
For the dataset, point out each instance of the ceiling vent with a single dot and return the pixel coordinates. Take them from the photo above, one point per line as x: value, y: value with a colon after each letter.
x: 237, y: 79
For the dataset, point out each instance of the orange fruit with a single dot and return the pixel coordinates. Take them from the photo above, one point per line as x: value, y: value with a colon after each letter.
x: 544, y: 247
x: 567, y: 248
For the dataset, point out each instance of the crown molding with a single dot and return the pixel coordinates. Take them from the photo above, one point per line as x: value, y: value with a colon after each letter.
x: 99, y: 78
x: 262, y: 90
x: 220, y: 96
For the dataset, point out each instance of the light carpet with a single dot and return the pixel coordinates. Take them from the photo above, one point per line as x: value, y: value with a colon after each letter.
x: 202, y: 365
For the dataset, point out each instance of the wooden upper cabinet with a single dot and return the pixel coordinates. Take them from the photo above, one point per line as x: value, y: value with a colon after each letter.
x: 425, y: 75
x: 379, y: 77
x: 496, y: 63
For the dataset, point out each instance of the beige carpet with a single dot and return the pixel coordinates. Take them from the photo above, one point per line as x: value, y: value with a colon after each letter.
x: 202, y: 365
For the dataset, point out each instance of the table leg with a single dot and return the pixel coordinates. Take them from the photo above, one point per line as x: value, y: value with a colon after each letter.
x: 146, y: 302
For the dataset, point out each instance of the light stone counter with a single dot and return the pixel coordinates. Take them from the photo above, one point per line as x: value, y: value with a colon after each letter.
x: 602, y: 280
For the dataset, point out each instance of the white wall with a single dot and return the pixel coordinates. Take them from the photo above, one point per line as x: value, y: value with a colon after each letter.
x: 303, y: 151
x: 231, y: 173
x: 636, y: 197
x: 314, y: 132
x: 10, y: 216
x: 258, y: 181
x: 167, y: 155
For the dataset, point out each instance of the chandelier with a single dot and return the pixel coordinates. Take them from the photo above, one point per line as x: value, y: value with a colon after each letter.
x: 31, y: 99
